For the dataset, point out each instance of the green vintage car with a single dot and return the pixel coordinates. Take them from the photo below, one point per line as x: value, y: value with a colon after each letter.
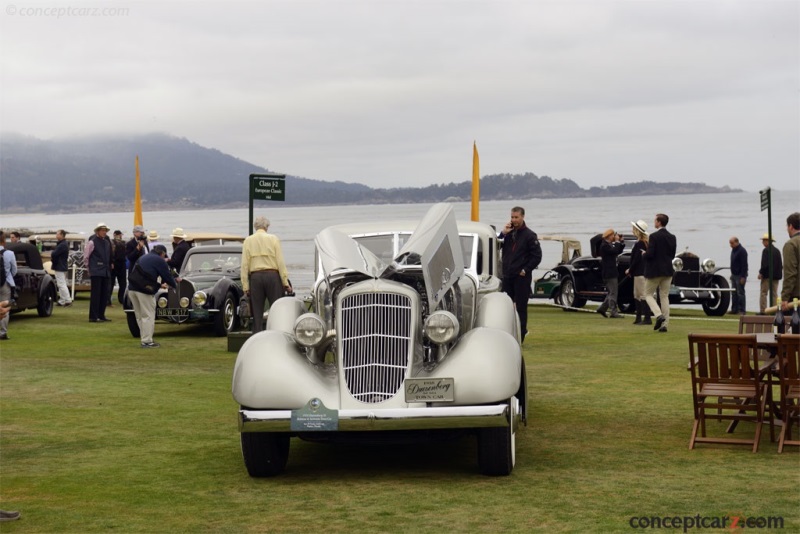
x: 549, y: 285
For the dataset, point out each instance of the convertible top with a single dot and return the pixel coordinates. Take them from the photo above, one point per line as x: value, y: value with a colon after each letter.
x: 26, y: 254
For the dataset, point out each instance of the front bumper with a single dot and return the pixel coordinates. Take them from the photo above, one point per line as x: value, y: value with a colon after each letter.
x: 389, y: 419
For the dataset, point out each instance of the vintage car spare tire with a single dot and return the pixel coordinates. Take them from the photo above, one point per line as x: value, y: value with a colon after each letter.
x: 130, y: 316
x: 717, y: 307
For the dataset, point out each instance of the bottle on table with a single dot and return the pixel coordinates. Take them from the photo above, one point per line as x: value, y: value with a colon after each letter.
x: 795, y: 321
x: 779, y: 323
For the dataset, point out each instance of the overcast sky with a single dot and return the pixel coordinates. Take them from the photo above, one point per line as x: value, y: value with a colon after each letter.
x: 393, y: 92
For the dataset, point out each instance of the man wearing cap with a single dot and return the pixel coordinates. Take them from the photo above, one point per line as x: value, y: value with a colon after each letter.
x: 611, y: 247
x: 118, y: 270
x: 264, y: 275
x: 769, y: 276
x: 179, y: 249
x: 97, y: 259
x: 658, y: 270
x: 143, y: 285
x: 137, y: 246
x: 738, y: 276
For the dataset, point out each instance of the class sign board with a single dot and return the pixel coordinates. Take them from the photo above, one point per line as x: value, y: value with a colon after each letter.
x: 268, y: 187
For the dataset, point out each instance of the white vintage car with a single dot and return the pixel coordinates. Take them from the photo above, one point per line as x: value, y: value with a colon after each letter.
x: 406, y: 330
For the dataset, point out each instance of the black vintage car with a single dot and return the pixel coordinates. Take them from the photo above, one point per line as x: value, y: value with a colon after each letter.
x: 35, y: 288
x: 574, y: 282
x: 209, y: 291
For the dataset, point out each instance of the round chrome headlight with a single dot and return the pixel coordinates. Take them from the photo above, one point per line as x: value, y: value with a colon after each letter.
x: 184, y: 302
x: 677, y: 264
x: 162, y: 302
x: 709, y: 265
x: 441, y: 327
x: 199, y: 298
x: 309, y: 330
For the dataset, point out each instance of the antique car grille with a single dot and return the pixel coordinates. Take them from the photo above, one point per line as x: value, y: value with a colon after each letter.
x: 376, y: 338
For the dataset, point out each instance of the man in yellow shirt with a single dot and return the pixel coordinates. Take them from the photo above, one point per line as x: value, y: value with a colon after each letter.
x: 264, y: 275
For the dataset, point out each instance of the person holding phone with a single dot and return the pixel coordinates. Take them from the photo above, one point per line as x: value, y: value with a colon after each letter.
x: 522, y: 253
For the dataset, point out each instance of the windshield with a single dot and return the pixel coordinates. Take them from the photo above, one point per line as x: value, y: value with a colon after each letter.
x: 224, y: 262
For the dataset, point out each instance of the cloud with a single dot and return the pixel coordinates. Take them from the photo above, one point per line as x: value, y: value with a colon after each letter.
x: 394, y: 92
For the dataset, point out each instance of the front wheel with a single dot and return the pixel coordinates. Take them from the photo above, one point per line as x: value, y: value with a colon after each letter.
x: 225, y: 320
x: 717, y: 306
x: 569, y: 296
x: 130, y: 316
x: 497, y: 447
x: 265, y: 453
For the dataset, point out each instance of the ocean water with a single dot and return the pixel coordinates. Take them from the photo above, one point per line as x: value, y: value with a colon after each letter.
x: 702, y: 224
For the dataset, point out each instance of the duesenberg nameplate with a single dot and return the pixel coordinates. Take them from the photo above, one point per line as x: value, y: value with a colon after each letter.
x: 430, y: 390
x: 314, y: 417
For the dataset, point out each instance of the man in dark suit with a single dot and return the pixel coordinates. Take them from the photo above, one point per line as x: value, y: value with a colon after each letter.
x: 658, y: 271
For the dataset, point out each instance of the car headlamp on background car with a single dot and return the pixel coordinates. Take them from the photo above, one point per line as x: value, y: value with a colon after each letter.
x: 199, y: 298
x: 162, y: 302
x: 309, y: 330
x: 677, y: 264
x: 184, y: 302
x: 709, y: 265
x: 441, y: 327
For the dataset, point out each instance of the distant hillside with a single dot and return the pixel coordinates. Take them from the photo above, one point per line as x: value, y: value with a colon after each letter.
x: 96, y: 174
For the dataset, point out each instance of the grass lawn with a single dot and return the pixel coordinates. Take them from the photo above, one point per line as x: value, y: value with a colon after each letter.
x: 100, y: 435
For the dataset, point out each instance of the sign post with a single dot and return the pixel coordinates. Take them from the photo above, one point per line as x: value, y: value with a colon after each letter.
x: 766, y: 204
x: 266, y: 187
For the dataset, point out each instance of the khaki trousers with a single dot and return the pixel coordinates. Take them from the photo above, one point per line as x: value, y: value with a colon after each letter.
x: 660, y: 284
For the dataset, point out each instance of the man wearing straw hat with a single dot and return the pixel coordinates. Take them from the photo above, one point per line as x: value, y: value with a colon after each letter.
x: 769, y: 254
x: 179, y: 248
x: 97, y: 259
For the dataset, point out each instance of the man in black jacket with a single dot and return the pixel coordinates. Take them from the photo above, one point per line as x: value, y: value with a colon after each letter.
x: 522, y: 253
x: 179, y: 249
x: 738, y: 276
x: 119, y: 272
x: 610, y: 248
x: 136, y: 247
x: 59, y: 259
x: 769, y: 278
x: 97, y: 259
x: 658, y: 270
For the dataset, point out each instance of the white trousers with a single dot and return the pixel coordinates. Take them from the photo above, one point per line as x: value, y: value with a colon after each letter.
x: 662, y: 284
x: 63, y: 290
x: 144, y: 306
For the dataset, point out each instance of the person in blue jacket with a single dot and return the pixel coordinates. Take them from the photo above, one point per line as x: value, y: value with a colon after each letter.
x: 149, y: 274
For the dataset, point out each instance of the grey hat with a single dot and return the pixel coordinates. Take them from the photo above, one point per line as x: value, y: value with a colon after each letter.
x: 139, y: 228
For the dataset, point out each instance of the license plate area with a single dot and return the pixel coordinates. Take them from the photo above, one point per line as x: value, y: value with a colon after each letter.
x: 172, y: 313
x: 430, y: 390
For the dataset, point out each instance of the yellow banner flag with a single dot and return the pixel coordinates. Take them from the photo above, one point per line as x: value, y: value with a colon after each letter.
x: 476, y: 183
x: 137, y: 201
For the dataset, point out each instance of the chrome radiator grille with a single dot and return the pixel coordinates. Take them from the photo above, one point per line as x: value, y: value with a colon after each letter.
x: 375, y: 335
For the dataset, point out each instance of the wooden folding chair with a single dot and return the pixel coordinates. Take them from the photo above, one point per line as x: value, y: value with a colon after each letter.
x: 726, y: 385
x: 789, y: 372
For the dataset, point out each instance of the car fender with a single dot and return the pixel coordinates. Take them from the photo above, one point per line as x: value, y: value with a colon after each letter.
x: 272, y: 372
x: 496, y: 310
x: 486, y: 366
x: 218, y: 292
x: 48, y: 284
x: 283, y: 314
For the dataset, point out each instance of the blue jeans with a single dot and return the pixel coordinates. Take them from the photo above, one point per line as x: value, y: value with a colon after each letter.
x: 738, y: 298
